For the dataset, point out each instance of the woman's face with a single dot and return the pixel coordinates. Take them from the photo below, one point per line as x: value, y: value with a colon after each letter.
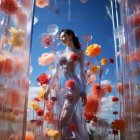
x: 65, y: 38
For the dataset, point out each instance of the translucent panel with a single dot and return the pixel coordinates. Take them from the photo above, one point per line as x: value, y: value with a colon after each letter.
x: 15, y: 43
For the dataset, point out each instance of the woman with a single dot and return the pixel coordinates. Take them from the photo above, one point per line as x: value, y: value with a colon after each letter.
x: 71, y: 88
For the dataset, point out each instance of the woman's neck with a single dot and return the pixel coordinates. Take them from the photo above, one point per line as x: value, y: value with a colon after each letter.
x: 71, y: 46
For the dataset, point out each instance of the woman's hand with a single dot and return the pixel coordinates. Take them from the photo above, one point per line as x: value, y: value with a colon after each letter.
x: 84, y: 98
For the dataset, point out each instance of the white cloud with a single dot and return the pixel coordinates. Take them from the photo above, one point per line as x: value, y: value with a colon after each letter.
x: 107, y: 107
x: 105, y: 82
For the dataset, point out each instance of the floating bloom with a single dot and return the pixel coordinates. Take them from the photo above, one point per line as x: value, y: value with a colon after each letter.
x: 74, y: 57
x: 111, y: 60
x: 29, y: 136
x: 70, y: 84
x: 41, y: 93
x: 98, y: 90
x: 52, y: 133
x: 42, y: 3
x: 46, y: 58
x: 118, y: 124
x: 91, y: 79
x: 108, y: 88
x: 104, y: 61
x: 16, y: 38
x: 34, y: 106
x: 46, y: 40
x: 43, y: 79
x: 87, y: 37
x: 115, y: 99
x: 40, y: 112
x: 14, y: 97
x: 94, y: 69
x: 6, y: 65
x: 93, y: 50
x: 10, y: 7
x: 48, y: 117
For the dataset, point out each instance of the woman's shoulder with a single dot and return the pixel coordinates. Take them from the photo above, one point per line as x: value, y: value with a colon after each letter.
x: 80, y: 52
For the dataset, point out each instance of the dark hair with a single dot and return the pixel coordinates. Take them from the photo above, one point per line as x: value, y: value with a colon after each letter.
x: 75, y: 39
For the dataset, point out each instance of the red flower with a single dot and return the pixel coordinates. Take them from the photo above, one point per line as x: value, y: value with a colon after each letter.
x: 40, y: 112
x: 97, y: 89
x: 36, y: 99
x: 10, y: 7
x: 111, y: 60
x: 115, y: 99
x: 46, y: 40
x: 88, y: 117
x: 73, y: 127
x: 70, y: 84
x: 43, y: 79
x: 74, y: 57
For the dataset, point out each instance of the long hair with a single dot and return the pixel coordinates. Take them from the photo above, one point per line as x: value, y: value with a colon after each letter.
x: 75, y: 39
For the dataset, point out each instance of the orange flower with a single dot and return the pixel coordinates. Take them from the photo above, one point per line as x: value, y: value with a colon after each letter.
x: 29, y: 136
x: 104, y: 61
x: 52, y: 133
x: 108, y: 88
x: 98, y: 90
x: 48, y: 117
x: 93, y: 50
x: 9, y: 6
x: 118, y: 124
x: 42, y: 3
x: 46, y: 58
x: 94, y: 68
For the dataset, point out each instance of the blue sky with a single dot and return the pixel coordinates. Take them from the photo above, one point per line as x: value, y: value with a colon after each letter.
x: 84, y: 18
